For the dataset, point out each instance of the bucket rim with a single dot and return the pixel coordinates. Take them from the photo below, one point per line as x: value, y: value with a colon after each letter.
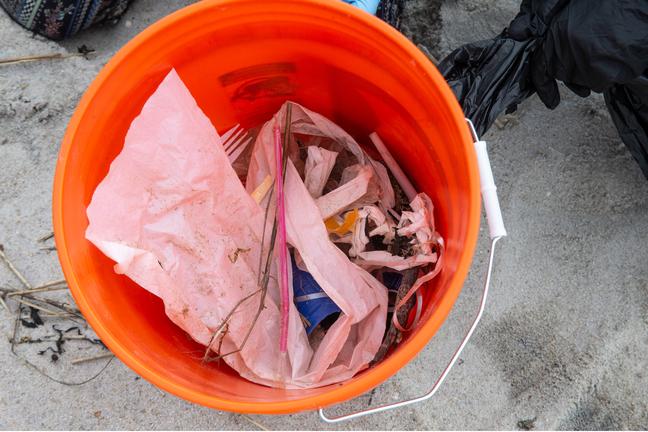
x: 338, y: 393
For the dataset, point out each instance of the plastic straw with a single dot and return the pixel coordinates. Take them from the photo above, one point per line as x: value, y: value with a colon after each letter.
x: 396, y: 170
x: 283, y: 250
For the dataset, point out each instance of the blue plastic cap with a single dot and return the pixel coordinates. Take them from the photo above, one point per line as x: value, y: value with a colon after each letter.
x: 310, y: 299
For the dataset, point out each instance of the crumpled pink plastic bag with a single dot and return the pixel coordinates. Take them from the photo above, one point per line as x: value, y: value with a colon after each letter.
x: 176, y: 219
x: 418, y: 223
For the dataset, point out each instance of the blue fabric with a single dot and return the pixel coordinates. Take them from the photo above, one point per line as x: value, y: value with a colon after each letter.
x: 392, y: 280
x: 316, y: 310
x: 370, y: 6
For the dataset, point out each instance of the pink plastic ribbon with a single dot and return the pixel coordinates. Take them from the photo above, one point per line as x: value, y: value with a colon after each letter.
x: 283, y: 249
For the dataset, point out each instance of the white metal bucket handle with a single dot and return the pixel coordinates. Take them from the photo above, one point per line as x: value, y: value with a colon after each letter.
x: 496, y: 232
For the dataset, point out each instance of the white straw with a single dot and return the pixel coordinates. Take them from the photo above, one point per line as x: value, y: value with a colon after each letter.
x: 401, y: 178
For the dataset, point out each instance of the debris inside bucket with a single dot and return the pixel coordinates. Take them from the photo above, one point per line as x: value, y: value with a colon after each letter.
x: 286, y: 250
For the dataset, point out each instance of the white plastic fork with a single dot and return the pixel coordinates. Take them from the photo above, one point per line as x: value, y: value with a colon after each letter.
x: 235, y: 141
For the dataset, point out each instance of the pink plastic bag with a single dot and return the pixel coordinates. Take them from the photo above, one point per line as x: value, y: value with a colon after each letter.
x: 176, y: 219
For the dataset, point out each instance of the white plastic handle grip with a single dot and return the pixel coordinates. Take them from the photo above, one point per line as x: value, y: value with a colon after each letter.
x: 489, y: 192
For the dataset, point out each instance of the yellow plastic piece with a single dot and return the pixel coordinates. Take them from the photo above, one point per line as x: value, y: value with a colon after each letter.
x: 261, y: 190
x: 333, y: 226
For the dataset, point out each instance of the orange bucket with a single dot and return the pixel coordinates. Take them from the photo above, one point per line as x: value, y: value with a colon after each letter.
x: 241, y: 59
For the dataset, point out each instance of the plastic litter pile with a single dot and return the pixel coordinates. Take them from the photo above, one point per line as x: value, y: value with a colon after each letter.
x: 296, y: 258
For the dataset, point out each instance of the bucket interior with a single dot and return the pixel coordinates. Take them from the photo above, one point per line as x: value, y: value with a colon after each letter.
x: 241, y: 60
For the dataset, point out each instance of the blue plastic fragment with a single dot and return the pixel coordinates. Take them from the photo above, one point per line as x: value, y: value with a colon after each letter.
x: 370, y: 6
x: 310, y: 299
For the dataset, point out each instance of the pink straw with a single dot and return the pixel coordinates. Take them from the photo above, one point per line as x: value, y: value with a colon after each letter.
x: 283, y: 249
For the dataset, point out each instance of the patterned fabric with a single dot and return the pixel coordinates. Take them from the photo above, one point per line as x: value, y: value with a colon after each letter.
x: 58, y: 19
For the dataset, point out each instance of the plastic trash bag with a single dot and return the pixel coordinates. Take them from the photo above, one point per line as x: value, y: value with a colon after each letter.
x: 177, y: 220
x: 628, y: 106
x: 318, y: 168
x: 599, y: 46
x: 356, y: 180
x: 489, y: 77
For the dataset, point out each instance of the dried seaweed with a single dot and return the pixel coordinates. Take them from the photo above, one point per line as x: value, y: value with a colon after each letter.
x: 62, y: 337
x: 36, y: 320
x: 33, y: 311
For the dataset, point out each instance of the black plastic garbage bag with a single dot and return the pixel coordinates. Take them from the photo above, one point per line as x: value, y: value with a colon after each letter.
x: 590, y: 45
x: 489, y: 77
x: 58, y: 19
x: 628, y: 106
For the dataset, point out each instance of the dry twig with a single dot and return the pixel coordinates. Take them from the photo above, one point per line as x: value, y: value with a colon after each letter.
x: 42, y: 309
x: 45, y: 237
x: 52, y: 283
x: 266, y: 271
x: 93, y: 358
x: 254, y: 422
x: 33, y: 58
x: 225, y: 323
x: 46, y: 287
x: 14, y: 270
x: 58, y: 305
x: 27, y: 285
x: 36, y: 290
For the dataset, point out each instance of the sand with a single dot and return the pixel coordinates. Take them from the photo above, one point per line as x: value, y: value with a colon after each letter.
x: 563, y: 343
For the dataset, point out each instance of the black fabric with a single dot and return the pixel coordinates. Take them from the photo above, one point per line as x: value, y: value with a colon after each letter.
x: 590, y: 45
x: 390, y: 11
